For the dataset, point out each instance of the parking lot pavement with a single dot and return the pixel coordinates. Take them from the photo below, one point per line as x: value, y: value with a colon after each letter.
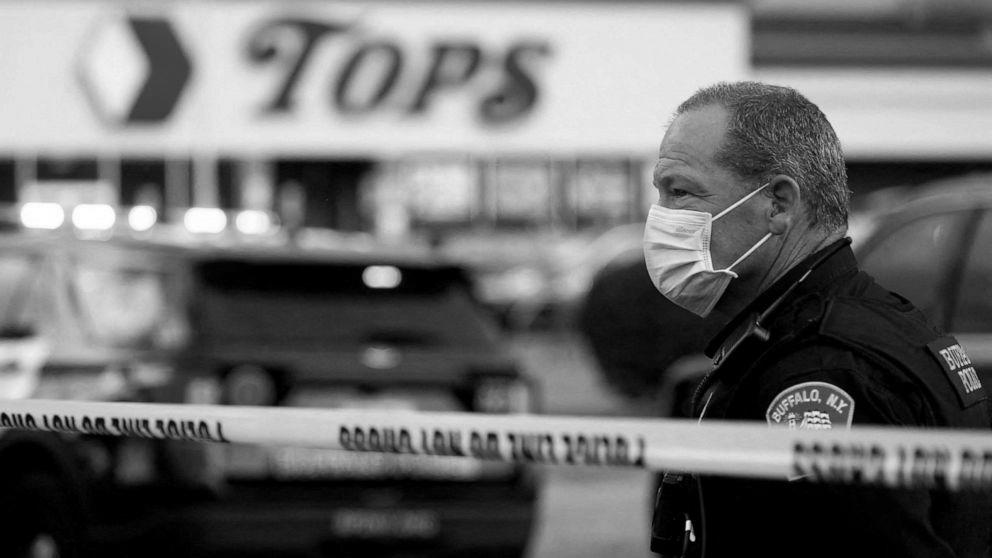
x: 567, y: 376
x: 587, y: 513
x: 584, y: 512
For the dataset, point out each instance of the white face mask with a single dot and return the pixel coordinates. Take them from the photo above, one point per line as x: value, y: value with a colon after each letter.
x: 677, y: 252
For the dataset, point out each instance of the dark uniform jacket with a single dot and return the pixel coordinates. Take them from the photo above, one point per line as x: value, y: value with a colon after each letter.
x: 834, y: 348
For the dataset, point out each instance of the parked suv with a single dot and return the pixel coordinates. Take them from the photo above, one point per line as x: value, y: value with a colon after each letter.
x: 335, y: 328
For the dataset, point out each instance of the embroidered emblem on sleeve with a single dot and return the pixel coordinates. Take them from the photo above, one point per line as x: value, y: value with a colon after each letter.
x: 812, y: 406
x: 959, y: 370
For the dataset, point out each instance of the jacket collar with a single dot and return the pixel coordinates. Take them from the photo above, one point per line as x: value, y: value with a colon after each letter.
x: 814, y: 273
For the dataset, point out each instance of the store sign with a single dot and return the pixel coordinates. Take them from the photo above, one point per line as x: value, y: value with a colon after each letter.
x: 377, y: 79
x: 384, y: 74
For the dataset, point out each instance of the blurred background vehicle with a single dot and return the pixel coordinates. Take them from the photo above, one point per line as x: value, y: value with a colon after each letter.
x: 510, y: 140
x: 136, y: 320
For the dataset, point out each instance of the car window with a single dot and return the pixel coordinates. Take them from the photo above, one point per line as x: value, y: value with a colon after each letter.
x: 974, y: 303
x: 913, y: 260
x: 18, y: 279
x: 332, y: 304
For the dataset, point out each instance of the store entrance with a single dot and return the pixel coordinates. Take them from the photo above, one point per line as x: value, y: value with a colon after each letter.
x: 321, y: 193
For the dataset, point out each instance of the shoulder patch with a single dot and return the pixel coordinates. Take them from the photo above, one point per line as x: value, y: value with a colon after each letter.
x: 959, y: 371
x: 811, y: 406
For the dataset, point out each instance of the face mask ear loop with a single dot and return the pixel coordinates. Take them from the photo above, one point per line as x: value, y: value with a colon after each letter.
x: 749, y: 252
x: 740, y: 201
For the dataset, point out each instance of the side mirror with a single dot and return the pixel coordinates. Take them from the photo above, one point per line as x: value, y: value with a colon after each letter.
x: 22, y: 354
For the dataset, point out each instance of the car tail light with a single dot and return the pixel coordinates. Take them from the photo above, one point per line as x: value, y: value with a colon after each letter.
x: 203, y: 391
x: 496, y: 394
x: 249, y: 385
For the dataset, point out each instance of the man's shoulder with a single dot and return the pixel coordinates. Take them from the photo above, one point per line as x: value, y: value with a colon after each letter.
x: 893, y: 377
x: 838, y: 385
x: 860, y: 295
x: 855, y: 314
x: 879, y: 326
x: 822, y: 358
x: 856, y: 345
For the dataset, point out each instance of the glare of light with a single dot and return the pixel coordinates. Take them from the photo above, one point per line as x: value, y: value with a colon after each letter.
x: 142, y: 217
x: 252, y: 221
x: 205, y: 220
x: 40, y: 215
x: 250, y: 385
x: 93, y: 217
x: 382, y: 277
x: 381, y: 358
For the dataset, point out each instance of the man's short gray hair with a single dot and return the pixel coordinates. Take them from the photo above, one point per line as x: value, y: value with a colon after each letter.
x: 775, y: 130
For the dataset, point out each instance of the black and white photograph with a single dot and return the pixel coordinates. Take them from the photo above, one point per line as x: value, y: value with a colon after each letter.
x: 495, y: 278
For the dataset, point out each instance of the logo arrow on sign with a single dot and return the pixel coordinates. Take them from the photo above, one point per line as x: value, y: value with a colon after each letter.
x: 134, y: 70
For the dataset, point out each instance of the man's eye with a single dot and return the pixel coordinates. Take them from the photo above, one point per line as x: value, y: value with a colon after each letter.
x: 677, y: 193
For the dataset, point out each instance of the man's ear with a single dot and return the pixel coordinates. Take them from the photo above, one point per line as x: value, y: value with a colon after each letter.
x: 787, y: 209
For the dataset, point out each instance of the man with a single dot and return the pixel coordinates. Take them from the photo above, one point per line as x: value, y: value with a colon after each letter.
x: 750, y: 226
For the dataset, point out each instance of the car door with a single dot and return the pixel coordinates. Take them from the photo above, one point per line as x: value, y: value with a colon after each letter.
x: 24, y: 347
x: 971, y: 319
x: 920, y: 257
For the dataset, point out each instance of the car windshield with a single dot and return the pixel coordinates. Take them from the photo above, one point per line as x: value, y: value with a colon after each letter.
x: 973, y: 312
x: 338, y: 304
x: 914, y: 258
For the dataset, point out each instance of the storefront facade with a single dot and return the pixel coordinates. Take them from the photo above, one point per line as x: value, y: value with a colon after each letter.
x: 390, y: 118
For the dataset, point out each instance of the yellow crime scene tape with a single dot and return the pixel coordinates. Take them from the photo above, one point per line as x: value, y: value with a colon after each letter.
x: 891, y: 456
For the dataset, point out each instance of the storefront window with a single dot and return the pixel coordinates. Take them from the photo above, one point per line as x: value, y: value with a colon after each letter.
x: 602, y: 192
x: 521, y: 191
x: 440, y: 191
x: 8, y: 180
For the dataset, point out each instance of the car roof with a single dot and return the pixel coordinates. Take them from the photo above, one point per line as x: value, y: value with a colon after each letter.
x: 365, y: 252
x: 973, y: 191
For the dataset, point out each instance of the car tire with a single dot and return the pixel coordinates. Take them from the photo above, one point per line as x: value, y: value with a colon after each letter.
x: 37, y: 519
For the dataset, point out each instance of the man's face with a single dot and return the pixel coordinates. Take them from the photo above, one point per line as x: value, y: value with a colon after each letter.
x: 687, y: 176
